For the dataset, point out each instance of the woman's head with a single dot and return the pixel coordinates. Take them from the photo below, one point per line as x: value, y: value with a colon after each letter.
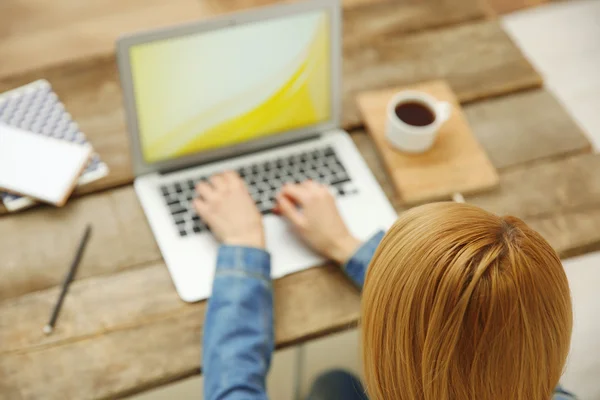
x: 462, y: 304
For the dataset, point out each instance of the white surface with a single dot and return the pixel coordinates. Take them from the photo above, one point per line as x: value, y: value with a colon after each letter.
x: 583, y: 368
x: 410, y: 138
x: 562, y: 41
x: 38, y: 166
x: 191, y: 259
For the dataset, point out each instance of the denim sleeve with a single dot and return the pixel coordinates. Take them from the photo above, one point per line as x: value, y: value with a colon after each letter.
x: 356, y: 266
x: 238, y: 330
x: 562, y: 394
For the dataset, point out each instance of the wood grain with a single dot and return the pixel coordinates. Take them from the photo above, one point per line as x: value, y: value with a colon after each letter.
x: 122, y: 240
x: 525, y: 126
x: 121, y: 351
x: 90, y: 88
x: 508, y: 6
x: 456, y: 163
x: 478, y: 60
x: 545, y: 189
x: 42, y: 34
x: 37, y: 246
x: 39, y: 34
x: 132, y: 348
x: 237, y: 5
x: 572, y: 233
x: 378, y: 22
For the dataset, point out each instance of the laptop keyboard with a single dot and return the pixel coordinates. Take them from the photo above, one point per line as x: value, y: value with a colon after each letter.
x: 264, y: 180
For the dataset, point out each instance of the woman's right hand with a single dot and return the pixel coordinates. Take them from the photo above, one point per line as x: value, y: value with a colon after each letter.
x: 318, y: 222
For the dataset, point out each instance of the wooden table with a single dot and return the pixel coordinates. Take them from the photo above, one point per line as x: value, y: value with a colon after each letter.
x: 123, y: 328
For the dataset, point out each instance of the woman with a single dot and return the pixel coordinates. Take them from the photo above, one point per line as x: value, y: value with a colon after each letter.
x: 457, y: 302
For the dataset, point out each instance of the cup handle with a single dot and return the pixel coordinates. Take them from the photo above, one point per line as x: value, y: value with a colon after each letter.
x: 444, y: 110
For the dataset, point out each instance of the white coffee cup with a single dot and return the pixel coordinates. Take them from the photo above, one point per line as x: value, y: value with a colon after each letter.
x: 415, y: 138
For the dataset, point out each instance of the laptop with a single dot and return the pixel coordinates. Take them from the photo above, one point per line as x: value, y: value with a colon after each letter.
x: 259, y: 93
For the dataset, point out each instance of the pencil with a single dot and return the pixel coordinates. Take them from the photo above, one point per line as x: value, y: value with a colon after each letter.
x: 68, y: 279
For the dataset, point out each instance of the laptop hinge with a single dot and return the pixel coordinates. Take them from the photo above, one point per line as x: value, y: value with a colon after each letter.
x: 242, y: 153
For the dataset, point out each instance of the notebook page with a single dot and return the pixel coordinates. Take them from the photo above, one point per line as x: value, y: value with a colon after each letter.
x: 39, y: 166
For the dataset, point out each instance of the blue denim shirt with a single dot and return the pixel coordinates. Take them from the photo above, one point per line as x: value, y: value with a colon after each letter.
x: 238, y: 332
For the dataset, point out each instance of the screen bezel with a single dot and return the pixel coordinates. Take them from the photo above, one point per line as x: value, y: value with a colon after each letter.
x: 141, y: 167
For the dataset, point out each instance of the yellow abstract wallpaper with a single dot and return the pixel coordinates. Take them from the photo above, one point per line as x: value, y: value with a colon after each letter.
x: 224, y: 87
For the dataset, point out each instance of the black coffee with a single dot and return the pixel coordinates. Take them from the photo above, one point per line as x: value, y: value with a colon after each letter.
x: 415, y: 114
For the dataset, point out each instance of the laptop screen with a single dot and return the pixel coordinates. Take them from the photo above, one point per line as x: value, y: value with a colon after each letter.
x: 223, y: 87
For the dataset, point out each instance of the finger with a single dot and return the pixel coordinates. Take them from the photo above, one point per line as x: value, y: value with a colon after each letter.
x: 234, y: 180
x: 230, y: 176
x: 325, y: 190
x: 319, y: 189
x: 206, y: 191
x: 201, y: 208
x: 298, y: 193
x: 203, y: 211
x: 311, y: 188
x: 218, y: 182
x: 289, y: 211
x: 309, y: 184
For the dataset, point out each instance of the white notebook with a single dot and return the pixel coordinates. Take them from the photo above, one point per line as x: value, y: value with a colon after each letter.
x: 38, y: 166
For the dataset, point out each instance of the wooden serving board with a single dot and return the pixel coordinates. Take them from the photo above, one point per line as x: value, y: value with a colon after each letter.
x: 455, y: 164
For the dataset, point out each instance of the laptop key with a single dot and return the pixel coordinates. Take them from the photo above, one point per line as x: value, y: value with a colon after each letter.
x: 177, y: 210
x: 174, y: 201
x: 264, y: 208
x: 337, y: 181
x: 264, y: 180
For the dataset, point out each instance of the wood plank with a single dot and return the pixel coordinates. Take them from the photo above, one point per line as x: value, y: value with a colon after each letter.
x: 439, y: 172
x: 525, y: 127
x: 508, y: 6
x: 478, y: 60
x: 63, y: 31
x: 121, y: 351
x: 118, y: 352
x: 390, y: 19
x: 121, y: 238
x: 37, y: 246
x: 545, y: 189
x: 237, y: 5
x: 565, y: 53
x: 157, y: 353
x: 83, y: 316
x: 42, y: 35
x: 571, y: 233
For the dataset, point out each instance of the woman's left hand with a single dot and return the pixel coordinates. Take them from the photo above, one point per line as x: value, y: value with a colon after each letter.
x: 227, y: 208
